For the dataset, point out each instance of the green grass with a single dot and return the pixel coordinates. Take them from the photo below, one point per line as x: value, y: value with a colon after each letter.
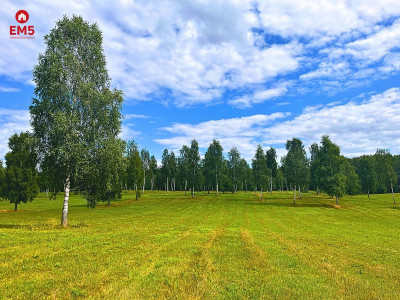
x: 226, y: 246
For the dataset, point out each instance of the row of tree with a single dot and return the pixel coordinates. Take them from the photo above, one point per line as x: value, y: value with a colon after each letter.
x: 326, y: 170
x: 122, y: 166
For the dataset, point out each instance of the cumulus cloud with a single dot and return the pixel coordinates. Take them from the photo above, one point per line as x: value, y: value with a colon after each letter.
x: 240, y: 132
x: 11, y: 121
x: 191, y: 52
x: 7, y: 89
x: 357, y: 127
x: 260, y: 95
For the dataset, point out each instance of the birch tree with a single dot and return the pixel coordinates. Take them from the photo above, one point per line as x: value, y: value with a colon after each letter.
x: 134, y: 168
x: 385, y: 171
x: 145, y: 157
x: 260, y: 171
x: 272, y: 165
x: 183, y: 165
x: 153, y: 171
x: 296, y: 165
x: 74, y: 111
x: 213, y: 162
x: 233, y: 166
x: 330, y: 168
x: 194, y: 164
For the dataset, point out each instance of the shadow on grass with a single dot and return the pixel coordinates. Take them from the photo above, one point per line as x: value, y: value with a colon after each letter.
x: 290, y: 204
x: 42, y: 226
x: 14, y: 226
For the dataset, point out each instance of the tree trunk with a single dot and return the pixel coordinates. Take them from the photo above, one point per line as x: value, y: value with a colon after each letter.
x: 144, y: 180
x: 15, y: 206
x: 337, y: 200
x: 261, y: 195
x: 64, y: 215
x: 216, y: 179
x: 167, y: 184
x: 294, y: 197
x: 300, y: 193
x: 152, y: 183
x: 394, y: 200
x: 136, y: 189
x: 271, y: 185
x: 368, y: 193
x: 185, y: 186
x: 47, y: 192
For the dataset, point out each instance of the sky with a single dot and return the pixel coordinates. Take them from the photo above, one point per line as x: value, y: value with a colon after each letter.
x: 242, y: 72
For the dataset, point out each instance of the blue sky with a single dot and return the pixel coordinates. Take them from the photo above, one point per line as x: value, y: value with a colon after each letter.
x: 244, y: 72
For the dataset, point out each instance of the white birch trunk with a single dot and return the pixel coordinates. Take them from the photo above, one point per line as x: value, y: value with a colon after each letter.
x: 185, y: 186
x: 64, y: 215
x: 144, y: 180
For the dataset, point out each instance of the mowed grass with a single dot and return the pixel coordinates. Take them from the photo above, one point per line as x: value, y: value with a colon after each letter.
x: 226, y: 246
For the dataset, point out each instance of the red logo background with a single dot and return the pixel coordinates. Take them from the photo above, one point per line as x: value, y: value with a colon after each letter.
x: 22, y: 12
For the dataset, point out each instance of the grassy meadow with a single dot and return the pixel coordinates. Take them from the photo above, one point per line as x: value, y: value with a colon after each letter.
x: 226, y: 246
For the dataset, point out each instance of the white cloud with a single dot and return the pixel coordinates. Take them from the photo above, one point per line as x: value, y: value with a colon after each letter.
x: 358, y: 128
x: 260, y: 96
x: 369, y: 49
x: 236, y: 132
x: 135, y: 116
x: 328, y: 70
x: 128, y: 133
x: 191, y: 52
x: 7, y: 89
x: 11, y: 121
x: 323, y: 18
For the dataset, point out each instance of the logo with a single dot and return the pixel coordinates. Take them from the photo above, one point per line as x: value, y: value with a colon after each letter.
x: 22, y: 32
x: 22, y: 16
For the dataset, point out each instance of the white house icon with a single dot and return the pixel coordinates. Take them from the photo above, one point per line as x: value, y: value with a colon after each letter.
x: 21, y: 17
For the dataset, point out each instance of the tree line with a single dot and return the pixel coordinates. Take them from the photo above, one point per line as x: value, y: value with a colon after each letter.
x: 126, y: 167
x: 75, y: 147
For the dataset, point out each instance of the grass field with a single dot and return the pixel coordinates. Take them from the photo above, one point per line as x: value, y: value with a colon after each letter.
x: 226, y: 247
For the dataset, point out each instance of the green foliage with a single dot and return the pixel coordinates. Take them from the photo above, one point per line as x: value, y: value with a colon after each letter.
x: 20, y: 176
x: 260, y: 169
x: 385, y: 170
x: 194, y: 164
x: 153, y: 171
x: 104, y: 177
x: 353, y: 186
x: 233, y: 165
x: 280, y: 179
x: 365, y: 168
x: 271, y: 161
x: 134, y: 172
x: 213, y: 164
x: 296, y: 164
